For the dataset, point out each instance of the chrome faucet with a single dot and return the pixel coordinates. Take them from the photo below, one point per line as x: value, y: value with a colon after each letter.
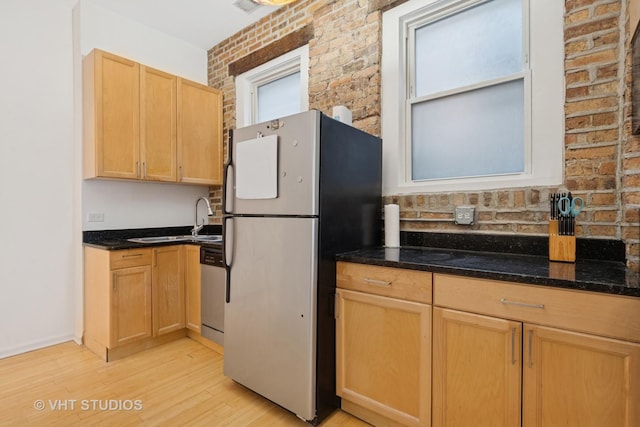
x: 196, y: 227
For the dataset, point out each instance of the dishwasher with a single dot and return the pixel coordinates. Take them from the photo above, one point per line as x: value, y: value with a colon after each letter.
x: 213, y: 285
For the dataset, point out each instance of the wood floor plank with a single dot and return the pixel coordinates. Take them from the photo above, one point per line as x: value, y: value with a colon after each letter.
x: 178, y: 383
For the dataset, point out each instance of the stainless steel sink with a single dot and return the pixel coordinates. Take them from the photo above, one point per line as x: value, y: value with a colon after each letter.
x: 160, y: 239
x: 213, y: 238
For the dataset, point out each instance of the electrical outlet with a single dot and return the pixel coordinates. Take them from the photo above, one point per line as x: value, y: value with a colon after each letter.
x: 465, y: 215
x: 95, y: 217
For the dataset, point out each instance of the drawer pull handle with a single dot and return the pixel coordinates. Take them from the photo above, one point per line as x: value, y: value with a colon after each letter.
x: 520, y: 304
x: 377, y: 282
x: 131, y: 255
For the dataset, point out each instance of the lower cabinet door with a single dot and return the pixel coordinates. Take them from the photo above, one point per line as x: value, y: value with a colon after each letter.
x: 383, y: 348
x: 192, y: 287
x: 168, y: 290
x: 476, y: 370
x: 573, y: 379
x: 130, y: 305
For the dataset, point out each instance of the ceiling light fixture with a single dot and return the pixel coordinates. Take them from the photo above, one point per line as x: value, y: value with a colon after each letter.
x: 273, y: 2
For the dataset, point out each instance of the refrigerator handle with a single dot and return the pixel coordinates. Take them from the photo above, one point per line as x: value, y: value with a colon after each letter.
x: 227, y: 167
x: 228, y: 240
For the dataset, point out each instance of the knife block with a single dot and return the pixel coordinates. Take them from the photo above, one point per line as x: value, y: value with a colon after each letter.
x: 561, y: 248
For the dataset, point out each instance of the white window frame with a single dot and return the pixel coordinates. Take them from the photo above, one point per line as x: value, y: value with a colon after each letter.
x: 247, y: 83
x: 544, y: 134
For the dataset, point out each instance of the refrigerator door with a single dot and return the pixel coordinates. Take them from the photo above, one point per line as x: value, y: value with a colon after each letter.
x: 296, y: 171
x: 270, y: 326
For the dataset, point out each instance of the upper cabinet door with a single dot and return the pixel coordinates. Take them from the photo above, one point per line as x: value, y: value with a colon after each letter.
x: 112, y: 116
x: 199, y: 134
x: 157, y: 125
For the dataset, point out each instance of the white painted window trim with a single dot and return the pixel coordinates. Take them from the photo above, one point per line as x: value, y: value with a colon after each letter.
x: 546, y: 153
x: 248, y: 82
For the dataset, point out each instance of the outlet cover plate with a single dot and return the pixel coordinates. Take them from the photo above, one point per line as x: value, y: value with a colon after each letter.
x: 465, y: 215
x: 95, y: 217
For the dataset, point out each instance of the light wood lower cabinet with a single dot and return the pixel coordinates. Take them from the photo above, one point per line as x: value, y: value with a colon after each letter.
x: 133, y: 299
x: 383, y: 345
x: 383, y: 356
x: 477, y: 367
x: 168, y: 290
x: 481, y: 362
x: 130, y: 305
x: 117, y: 298
x: 573, y: 379
x: 500, y: 353
x: 193, y: 289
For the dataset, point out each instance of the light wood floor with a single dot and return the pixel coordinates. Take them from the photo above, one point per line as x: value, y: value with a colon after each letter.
x: 176, y: 384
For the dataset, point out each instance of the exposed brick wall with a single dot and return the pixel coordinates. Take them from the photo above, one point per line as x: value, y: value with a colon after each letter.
x: 602, y: 159
x: 630, y: 186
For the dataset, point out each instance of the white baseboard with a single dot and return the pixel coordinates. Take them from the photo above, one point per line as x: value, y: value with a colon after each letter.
x: 36, y: 345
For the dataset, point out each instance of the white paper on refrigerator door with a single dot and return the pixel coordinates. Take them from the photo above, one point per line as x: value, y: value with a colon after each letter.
x: 257, y: 168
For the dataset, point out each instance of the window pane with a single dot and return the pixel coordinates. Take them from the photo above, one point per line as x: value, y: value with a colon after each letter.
x: 475, y: 133
x: 279, y: 98
x: 477, y: 44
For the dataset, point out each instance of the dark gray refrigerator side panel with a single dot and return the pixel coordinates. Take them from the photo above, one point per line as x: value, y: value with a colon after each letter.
x: 350, y: 218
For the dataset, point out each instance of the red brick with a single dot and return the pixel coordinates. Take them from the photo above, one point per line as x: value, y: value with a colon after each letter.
x: 581, y: 76
x: 589, y: 27
x: 345, y: 68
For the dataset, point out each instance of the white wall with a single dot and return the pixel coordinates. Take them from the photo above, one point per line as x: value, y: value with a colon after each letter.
x: 42, y: 195
x: 37, y: 247
x: 138, y: 204
x: 103, y: 29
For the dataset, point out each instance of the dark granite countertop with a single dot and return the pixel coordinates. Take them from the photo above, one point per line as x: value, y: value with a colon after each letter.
x: 610, y: 277
x: 112, y: 240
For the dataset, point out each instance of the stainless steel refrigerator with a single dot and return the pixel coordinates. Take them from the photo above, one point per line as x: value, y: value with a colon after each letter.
x: 297, y: 191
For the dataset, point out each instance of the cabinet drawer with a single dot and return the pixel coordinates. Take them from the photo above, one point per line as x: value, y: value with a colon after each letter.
x: 399, y: 283
x: 129, y: 258
x: 590, y: 312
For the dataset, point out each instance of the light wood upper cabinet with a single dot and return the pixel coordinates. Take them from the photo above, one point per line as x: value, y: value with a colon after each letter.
x: 168, y: 289
x: 145, y: 124
x: 199, y: 133
x: 158, y: 125
x: 111, y: 116
x: 192, y: 285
